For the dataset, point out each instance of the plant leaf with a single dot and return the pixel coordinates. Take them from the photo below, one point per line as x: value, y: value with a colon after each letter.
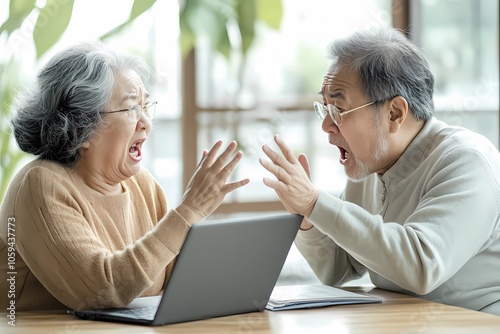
x: 18, y: 10
x: 6, y: 136
x: 115, y: 30
x: 222, y: 43
x: 271, y: 12
x: 206, y: 19
x: 138, y: 7
x: 187, y: 38
x: 246, y: 22
x: 52, y: 21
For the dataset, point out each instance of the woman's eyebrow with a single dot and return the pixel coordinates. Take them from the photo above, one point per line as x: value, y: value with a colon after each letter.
x: 128, y: 96
x: 134, y: 96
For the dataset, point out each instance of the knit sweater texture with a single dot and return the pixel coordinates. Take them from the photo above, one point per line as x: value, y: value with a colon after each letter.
x: 428, y: 227
x: 76, y: 248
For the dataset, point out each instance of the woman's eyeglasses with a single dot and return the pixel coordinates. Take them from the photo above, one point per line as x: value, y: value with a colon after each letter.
x: 134, y: 113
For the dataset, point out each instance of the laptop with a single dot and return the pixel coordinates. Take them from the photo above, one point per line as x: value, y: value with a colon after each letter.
x: 225, y: 267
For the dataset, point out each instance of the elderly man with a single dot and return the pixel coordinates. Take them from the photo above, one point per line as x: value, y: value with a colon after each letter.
x: 421, y: 209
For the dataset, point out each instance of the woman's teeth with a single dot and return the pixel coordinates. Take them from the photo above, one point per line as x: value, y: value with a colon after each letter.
x: 134, y: 151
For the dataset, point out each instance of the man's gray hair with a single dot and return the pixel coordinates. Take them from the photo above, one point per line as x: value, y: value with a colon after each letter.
x: 388, y: 65
x: 63, y: 110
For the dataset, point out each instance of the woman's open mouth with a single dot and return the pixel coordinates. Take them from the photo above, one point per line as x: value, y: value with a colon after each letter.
x: 135, y: 151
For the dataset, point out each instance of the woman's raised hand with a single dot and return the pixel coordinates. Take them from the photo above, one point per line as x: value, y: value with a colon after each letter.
x: 208, y: 185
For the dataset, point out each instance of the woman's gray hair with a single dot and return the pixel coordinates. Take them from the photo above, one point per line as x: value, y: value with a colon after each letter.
x: 388, y: 65
x: 63, y: 111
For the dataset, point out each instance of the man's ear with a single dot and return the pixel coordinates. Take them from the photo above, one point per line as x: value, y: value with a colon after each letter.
x: 398, y: 111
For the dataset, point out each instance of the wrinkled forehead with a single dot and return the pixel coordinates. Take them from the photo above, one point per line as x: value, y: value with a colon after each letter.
x: 339, y: 76
x: 333, y: 69
x: 128, y: 85
x: 328, y: 79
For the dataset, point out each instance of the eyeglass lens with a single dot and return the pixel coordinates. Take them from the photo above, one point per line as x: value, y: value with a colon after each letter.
x: 136, y: 112
x: 322, y: 111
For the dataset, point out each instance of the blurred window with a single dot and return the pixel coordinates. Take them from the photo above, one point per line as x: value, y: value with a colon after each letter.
x: 460, y: 40
x: 271, y: 91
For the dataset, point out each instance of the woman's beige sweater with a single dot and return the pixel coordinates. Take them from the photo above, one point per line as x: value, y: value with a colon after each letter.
x: 76, y: 248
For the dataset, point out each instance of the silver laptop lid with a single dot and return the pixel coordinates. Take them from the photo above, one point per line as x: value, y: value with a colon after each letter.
x: 227, y: 267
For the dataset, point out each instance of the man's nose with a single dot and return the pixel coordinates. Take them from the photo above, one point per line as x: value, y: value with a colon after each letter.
x: 328, y: 125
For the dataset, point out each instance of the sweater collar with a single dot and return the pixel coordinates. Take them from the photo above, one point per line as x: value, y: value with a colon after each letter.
x: 414, y: 154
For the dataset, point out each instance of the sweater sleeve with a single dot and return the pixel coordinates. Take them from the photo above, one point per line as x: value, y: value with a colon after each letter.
x: 457, y: 216
x: 66, y: 255
x: 331, y: 264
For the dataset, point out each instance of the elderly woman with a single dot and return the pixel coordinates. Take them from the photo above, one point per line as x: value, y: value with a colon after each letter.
x: 90, y: 226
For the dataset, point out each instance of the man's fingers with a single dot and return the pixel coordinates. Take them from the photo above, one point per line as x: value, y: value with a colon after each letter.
x: 287, y: 152
x: 275, y: 184
x: 276, y: 158
x: 280, y: 173
x: 305, y: 164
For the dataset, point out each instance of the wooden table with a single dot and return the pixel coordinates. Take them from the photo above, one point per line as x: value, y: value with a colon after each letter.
x: 396, y: 314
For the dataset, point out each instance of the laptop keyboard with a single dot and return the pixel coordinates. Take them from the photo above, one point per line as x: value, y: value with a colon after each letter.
x: 138, y: 313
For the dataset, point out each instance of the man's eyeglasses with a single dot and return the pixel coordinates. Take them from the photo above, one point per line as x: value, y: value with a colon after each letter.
x: 334, y: 112
x: 134, y: 113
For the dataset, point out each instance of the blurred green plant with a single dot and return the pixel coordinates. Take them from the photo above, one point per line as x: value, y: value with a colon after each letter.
x: 210, y: 18
x: 10, y: 155
x: 213, y: 19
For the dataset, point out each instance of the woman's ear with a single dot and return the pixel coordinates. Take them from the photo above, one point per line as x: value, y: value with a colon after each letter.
x: 398, y: 111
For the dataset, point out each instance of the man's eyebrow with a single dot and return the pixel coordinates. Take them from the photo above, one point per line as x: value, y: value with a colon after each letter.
x: 337, y: 94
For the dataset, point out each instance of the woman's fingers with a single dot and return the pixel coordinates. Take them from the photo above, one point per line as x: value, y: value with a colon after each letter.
x: 208, y: 185
x: 229, y: 167
x: 212, y: 154
x: 203, y: 156
x: 218, y: 162
x: 234, y: 185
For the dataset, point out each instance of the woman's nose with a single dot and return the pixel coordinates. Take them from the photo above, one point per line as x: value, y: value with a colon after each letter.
x: 144, y: 122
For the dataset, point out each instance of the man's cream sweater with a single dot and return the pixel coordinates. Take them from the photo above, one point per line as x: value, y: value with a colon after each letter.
x: 429, y: 226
